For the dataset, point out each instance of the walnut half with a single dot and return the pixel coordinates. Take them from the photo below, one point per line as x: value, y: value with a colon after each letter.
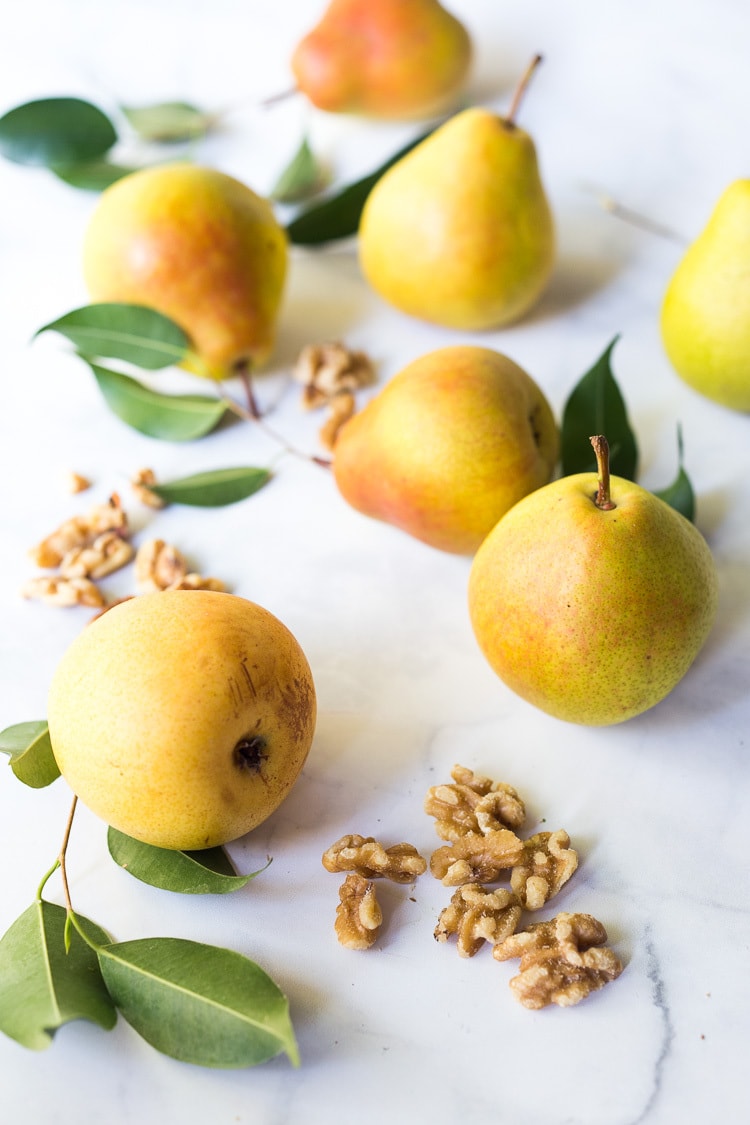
x: 358, y: 915
x: 476, y: 858
x: 473, y: 803
x: 476, y: 915
x: 400, y: 863
x: 548, y: 862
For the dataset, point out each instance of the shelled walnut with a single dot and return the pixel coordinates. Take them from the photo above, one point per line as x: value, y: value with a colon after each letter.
x: 65, y: 592
x: 476, y: 858
x: 562, y: 960
x: 80, y: 531
x: 473, y: 804
x: 108, y: 553
x: 476, y: 915
x: 400, y: 863
x: 358, y: 915
x: 141, y: 483
x: 548, y: 862
x: 326, y: 370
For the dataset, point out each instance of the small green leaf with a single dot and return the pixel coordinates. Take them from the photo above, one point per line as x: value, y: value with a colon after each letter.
x: 301, y: 178
x: 679, y: 495
x: 596, y: 406
x: 198, y: 1003
x: 41, y: 986
x: 168, y: 417
x: 133, y: 333
x: 168, y: 122
x: 208, y: 872
x: 91, y: 175
x: 31, y: 756
x: 213, y: 489
x: 339, y: 215
x: 53, y: 131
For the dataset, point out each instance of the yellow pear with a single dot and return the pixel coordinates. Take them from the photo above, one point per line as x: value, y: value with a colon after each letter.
x: 459, y: 231
x: 591, y: 598
x: 449, y: 444
x: 705, y: 317
x: 383, y: 58
x: 198, y: 246
x: 183, y: 718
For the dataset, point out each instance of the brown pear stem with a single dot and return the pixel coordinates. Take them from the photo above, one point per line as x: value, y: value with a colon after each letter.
x: 63, y: 855
x: 510, y: 117
x: 602, y: 499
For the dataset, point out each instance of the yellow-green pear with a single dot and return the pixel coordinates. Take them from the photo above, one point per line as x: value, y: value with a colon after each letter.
x: 705, y: 317
x: 182, y: 718
x: 198, y: 246
x: 459, y: 231
x: 449, y: 444
x: 591, y: 598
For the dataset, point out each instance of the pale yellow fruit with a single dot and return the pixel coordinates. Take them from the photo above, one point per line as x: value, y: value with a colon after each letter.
x: 183, y: 718
x: 593, y: 616
x: 198, y: 246
x: 705, y: 317
x: 450, y: 443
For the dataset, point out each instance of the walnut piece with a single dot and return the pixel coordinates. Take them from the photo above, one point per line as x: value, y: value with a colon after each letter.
x: 158, y: 566
x: 473, y: 804
x: 358, y: 915
x: 198, y: 582
x: 476, y: 858
x: 141, y: 484
x: 477, y: 915
x: 562, y: 960
x: 548, y: 862
x: 326, y: 370
x: 400, y: 863
x: 341, y: 407
x: 53, y: 590
x: 74, y: 483
x: 105, y: 555
x: 80, y: 531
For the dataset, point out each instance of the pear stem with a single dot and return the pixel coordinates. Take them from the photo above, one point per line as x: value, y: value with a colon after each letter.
x: 602, y: 499
x: 63, y: 854
x: 510, y: 117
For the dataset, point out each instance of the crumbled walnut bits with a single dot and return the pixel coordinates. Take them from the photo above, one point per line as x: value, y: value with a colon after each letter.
x: 80, y: 531
x: 53, y: 590
x: 326, y: 370
x: 340, y: 409
x: 74, y: 482
x: 142, y: 484
x: 477, y: 915
x: 160, y: 566
x: 358, y: 915
x: 400, y: 863
x: 105, y: 555
x: 548, y: 862
x: 562, y: 961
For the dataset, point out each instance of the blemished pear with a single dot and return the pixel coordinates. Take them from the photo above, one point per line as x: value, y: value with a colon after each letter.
x: 459, y: 232
x: 183, y: 718
x: 200, y: 247
x: 705, y: 316
x: 448, y: 446
x: 591, y: 598
x: 383, y: 58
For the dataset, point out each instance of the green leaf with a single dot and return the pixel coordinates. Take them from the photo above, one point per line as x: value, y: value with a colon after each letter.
x: 91, y: 175
x: 53, y: 131
x: 168, y: 417
x: 198, y: 1003
x: 338, y: 216
x: 596, y: 406
x: 213, y: 489
x: 679, y: 495
x: 168, y: 122
x: 31, y: 756
x: 41, y: 986
x: 301, y: 178
x: 208, y: 872
x: 133, y: 333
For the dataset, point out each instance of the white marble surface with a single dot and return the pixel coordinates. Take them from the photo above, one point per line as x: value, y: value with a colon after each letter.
x: 646, y: 102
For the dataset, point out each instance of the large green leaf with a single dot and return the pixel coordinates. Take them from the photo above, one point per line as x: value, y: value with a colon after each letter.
x: 168, y: 122
x: 91, y: 175
x: 339, y: 215
x: 679, y: 495
x: 168, y: 417
x: 213, y: 489
x: 53, y: 131
x: 596, y: 406
x: 42, y: 986
x: 192, y: 873
x: 30, y: 750
x: 198, y: 1003
x: 301, y: 178
x: 133, y: 333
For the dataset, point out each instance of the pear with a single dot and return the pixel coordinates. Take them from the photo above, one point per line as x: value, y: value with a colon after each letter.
x: 448, y: 446
x: 198, y: 246
x: 459, y: 231
x: 591, y: 598
x: 387, y: 59
x: 183, y: 718
x: 705, y: 317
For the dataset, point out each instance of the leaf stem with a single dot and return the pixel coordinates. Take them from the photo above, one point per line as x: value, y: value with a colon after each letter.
x: 254, y: 415
x: 602, y: 499
x: 63, y: 853
x: 520, y: 91
x: 46, y: 877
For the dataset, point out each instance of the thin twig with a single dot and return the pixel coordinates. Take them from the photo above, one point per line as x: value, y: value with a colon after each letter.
x: 63, y: 853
